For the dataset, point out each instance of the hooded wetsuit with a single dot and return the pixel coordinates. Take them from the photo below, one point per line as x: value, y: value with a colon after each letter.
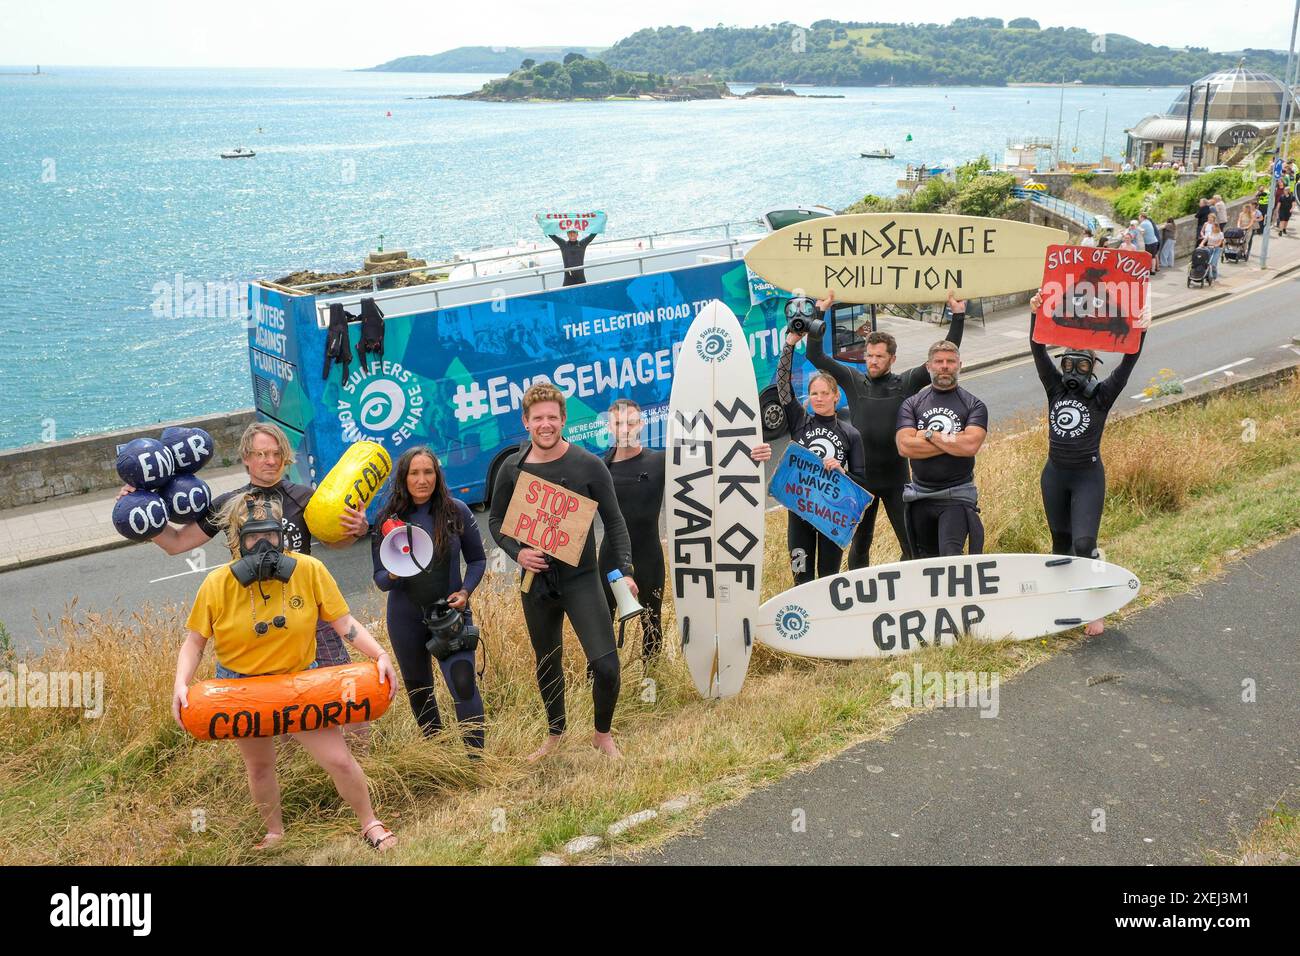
x: 573, y: 252
x: 873, y: 409
x: 1074, y: 480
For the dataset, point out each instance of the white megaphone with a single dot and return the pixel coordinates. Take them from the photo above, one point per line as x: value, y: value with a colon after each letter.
x: 628, y: 606
x: 406, y: 549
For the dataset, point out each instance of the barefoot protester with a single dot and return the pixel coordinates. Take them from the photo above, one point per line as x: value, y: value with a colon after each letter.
x: 558, y: 590
x: 260, y: 612
x: 419, y: 497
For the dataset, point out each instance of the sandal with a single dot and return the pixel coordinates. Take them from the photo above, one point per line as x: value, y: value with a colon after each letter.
x: 269, y: 841
x: 385, y: 835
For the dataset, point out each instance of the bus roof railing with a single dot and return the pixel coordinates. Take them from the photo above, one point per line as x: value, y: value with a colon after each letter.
x: 730, y: 245
x: 374, y: 277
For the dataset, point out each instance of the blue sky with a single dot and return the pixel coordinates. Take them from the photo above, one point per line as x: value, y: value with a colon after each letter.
x: 332, y: 33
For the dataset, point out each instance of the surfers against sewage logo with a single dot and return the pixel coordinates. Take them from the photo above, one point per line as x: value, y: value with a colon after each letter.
x: 714, y: 345
x: 381, y: 401
x: 792, y: 622
x: 1070, y: 418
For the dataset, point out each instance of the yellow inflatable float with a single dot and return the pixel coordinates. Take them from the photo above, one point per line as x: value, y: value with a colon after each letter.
x: 353, y: 482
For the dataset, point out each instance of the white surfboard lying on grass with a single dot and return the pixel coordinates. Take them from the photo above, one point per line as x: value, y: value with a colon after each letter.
x: 896, y: 608
x: 714, y: 496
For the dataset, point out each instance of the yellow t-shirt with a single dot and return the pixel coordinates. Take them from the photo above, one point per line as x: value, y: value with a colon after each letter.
x: 226, y: 613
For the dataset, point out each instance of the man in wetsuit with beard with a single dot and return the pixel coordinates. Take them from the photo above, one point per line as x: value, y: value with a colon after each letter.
x: 874, y: 400
x: 558, y: 590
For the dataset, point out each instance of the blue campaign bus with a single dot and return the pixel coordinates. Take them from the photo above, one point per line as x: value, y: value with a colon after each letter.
x: 458, y: 354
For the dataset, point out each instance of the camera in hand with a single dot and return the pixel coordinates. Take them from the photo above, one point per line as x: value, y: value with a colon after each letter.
x: 448, y: 632
x: 799, y: 312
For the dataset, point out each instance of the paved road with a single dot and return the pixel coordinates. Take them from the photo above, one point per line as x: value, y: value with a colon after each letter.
x: 1169, y: 750
x: 1251, y: 331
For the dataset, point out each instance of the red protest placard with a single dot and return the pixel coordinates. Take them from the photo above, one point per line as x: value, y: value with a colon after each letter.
x: 1091, y: 297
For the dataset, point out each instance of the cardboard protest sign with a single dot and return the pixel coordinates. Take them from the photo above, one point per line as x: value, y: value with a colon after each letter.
x: 583, y: 223
x: 550, y: 518
x: 1091, y: 297
x: 830, y: 501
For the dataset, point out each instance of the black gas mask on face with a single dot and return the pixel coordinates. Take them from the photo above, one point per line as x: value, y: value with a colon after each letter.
x: 262, y: 560
x: 1078, y: 372
x: 799, y: 312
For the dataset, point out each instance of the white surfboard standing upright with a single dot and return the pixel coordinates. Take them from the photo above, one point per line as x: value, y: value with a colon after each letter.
x: 897, y: 608
x: 714, y: 498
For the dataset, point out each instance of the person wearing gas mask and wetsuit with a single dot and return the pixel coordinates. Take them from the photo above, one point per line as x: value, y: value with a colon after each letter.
x: 1074, y: 479
x: 260, y: 612
x: 558, y: 590
x: 874, y: 400
x: 423, y: 608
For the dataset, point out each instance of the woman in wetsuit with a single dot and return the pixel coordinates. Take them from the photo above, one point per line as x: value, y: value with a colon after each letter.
x: 419, y: 497
x: 638, y: 475
x: 812, y: 554
x: 1074, y: 479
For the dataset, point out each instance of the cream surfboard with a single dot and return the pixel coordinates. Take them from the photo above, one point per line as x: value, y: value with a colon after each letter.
x: 904, y: 257
x: 896, y: 608
x: 714, y: 497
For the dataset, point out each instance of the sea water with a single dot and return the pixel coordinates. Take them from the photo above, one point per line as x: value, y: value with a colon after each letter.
x: 125, y: 241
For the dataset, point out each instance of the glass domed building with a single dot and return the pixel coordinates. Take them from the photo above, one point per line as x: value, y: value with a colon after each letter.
x: 1217, y: 118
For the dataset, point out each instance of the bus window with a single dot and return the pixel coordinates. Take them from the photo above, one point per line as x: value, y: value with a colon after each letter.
x: 850, y: 326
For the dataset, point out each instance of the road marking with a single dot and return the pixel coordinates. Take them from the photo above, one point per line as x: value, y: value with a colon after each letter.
x: 180, y: 574
x: 1143, y: 397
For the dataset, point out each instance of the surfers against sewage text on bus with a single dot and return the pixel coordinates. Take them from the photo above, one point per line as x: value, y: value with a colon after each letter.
x: 381, y: 401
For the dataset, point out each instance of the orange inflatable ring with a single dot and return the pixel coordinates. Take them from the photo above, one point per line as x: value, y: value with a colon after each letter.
x: 285, y: 703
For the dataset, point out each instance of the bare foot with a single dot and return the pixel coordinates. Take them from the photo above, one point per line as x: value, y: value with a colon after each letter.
x: 1095, y: 627
x: 552, y: 741
x: 605, y: 744
x: 268, y: 841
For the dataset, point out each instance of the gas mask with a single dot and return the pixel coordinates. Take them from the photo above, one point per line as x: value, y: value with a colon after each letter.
x: 1078, y: 372
x: 799, y: 312
x: 263, y: 560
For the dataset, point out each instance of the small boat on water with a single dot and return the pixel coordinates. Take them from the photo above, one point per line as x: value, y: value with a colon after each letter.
x: 881, y: 153
x: 239, y: 152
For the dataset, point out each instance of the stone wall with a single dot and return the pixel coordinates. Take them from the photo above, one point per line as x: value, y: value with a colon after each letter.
x: 1058, y: 183
x: 36, y: 473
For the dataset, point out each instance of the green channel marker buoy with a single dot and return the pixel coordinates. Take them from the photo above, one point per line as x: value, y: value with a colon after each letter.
x: 381, y: 242
x: 909, y: 138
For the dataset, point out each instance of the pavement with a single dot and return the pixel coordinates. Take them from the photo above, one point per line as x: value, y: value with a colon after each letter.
x: 81, y: 524
x: 1161, y: 742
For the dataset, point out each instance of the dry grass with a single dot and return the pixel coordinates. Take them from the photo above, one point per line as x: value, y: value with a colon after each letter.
x: 129, y: 787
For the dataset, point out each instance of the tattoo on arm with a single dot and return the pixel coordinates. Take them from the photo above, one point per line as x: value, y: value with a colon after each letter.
x: 351, y: 635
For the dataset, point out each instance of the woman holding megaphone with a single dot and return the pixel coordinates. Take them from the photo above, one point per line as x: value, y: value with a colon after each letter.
x: 419, y: 572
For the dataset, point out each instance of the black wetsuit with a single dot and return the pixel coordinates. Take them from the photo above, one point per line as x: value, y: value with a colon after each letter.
x: 812, y: 554
x: 639, y: 486
x: 571, y: 591
x: 1074, y: 479
x: 407, y: 600
x: 946, y: 511
x: 292, y: 499
x: 573, y: 254
x: 873, y: 409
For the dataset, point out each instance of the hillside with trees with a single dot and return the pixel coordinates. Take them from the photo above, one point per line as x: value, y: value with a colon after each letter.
x: 968, y: 51
x: 477, y: 59
x: 577, y: 77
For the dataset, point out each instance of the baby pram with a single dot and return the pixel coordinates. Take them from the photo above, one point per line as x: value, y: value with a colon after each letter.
x: 1234, y: 245
x: 1199, y: 270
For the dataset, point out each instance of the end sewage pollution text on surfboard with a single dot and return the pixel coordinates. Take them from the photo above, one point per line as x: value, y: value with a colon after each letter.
x: 904, y: 257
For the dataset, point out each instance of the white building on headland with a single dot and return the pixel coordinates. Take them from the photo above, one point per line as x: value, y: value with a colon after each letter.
x: 1217, y: 119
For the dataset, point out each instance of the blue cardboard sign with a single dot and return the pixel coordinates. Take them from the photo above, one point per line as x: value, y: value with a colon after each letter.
x: 830, y: 501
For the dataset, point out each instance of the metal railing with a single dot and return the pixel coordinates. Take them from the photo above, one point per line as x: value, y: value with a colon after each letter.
x: 713, y: 251
x: 1066, y: 210
x: 649, y: 238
